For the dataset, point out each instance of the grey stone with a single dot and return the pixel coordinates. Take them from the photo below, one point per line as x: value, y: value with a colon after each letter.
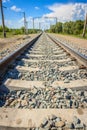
x: 18, y: 93
x: 79, y: 126
x: 44, y: 123
x: 19, y: 75
x: 17, y: 105
x: 68, y: 97
x: 70, y: 90
x: 70, y: 125
x: 22, y: 97
x: 53, y: 117
x: 76, y: 120
x: 66, y: 81
x: 58, y: 119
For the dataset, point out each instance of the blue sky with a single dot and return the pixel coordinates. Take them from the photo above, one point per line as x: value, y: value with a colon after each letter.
x: 63, y: 10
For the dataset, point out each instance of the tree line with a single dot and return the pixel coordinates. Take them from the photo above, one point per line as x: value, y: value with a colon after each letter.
x: 71, y: 27
x: 18, y: 31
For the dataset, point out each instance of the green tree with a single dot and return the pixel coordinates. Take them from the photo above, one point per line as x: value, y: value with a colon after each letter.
x: 52, y: 28
x: 22, y: 29
x: 1, y: 29
x: 58, y: 28
x: 78, y: 27
x: 68, y: 27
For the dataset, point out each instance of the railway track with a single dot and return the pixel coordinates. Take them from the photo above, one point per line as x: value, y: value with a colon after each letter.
x: 45, y: 88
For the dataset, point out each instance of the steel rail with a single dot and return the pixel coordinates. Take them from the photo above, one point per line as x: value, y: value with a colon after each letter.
x: 4, y: 63
x: 78, y: 56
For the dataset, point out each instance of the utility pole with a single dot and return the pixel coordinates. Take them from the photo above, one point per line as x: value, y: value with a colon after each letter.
x: 85, y: 25
x: 3, y: 24
x: 24, y: 22
x: 33, y: 23
x: 56, y: 19
x: 26, y: 27
x: 39, y: 25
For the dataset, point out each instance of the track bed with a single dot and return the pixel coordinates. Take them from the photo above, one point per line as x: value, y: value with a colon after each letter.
x: 45, y: 88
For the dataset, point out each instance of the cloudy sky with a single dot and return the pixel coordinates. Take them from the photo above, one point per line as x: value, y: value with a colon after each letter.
x: 51, y: 9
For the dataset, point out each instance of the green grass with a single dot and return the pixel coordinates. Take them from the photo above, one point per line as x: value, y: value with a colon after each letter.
x: 8, y: 35
x: 13, y: 33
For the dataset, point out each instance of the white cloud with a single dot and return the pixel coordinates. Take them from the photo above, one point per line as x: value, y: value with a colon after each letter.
x: 67, y: 12
x: 37, y: 8
x: 4, y: 1
x: 14, y: 8
x: 79, y: 10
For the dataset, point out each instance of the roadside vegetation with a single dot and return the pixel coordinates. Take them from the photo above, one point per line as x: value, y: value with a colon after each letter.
x: 74, y: 28
x: 12, y: 32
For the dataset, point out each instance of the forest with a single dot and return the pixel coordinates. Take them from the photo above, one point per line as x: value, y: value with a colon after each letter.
x: 71, y: 28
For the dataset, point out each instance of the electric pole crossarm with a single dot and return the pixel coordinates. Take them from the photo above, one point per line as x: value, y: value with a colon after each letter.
x: 52, y: 18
